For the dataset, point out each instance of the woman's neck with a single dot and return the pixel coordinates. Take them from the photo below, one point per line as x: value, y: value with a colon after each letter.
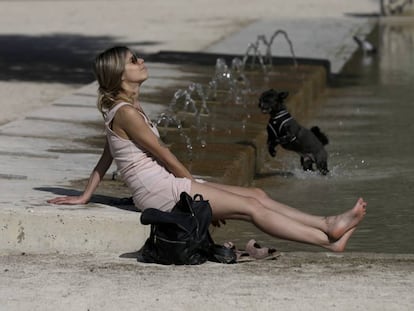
x: 129, y: 97
x: 131, y: 91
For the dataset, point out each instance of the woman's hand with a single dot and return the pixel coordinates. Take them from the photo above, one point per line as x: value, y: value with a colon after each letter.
x: 96, y: 176
x: 68, y: 200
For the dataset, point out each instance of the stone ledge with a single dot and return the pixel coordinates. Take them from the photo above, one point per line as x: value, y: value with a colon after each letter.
x: 75, y: 229
x: 29, y: 225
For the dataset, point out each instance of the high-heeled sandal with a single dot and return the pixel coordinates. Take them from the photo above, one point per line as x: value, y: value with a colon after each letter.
x: 252, y: 252
x: 258, y: 252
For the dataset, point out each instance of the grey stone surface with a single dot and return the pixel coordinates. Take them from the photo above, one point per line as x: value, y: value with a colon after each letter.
x: 316, y: 38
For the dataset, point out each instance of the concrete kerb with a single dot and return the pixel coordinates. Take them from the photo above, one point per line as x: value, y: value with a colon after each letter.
x: 97, y: 228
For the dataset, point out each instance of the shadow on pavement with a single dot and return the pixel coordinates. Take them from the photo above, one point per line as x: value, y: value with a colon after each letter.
x: 65, y: 58
x: 122, y: 203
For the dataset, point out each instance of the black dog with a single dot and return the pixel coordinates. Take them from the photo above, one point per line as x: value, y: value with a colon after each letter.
x: 284, y: 130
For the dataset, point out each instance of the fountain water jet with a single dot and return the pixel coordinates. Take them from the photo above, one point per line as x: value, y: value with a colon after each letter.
x: 269, y: 43
x: 256, y: 54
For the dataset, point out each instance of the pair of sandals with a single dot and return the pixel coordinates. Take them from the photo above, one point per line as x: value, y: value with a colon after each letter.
x: 252, y: 252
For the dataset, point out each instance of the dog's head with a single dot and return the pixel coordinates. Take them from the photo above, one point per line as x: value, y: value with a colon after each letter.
x: 272, y: 101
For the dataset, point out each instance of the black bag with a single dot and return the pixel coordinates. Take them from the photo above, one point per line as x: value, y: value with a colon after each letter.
x: 181, y: 237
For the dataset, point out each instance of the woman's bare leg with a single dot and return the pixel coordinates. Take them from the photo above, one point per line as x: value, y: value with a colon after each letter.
x: 334, y: 226
x: 262, y: 197
x: 228, y: 205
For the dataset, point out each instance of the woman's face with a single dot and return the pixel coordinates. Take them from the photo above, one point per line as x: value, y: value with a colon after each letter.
x: 135, y: 70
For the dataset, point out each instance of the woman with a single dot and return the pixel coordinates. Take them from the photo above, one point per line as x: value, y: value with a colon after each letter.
x: 156, y: 178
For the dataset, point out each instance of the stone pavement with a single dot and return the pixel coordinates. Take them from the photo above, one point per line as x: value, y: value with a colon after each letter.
x: 296, y: 281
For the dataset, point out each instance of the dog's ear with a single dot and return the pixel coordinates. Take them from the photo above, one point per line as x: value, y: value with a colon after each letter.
x: 274, y: 93
x: 283, y: 95
x: 266, y: 95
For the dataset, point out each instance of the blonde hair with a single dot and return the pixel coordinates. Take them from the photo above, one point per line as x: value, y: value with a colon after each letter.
x: 108, y: 68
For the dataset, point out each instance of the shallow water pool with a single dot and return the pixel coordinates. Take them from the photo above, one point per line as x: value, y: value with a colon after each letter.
x: 368, y: 115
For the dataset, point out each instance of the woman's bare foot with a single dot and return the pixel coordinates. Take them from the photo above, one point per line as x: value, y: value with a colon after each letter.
x: 341, y: 224
x: 339, y: 245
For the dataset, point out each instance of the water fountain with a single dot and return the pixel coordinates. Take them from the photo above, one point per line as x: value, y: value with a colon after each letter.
x: 188, y: 104
x: 223, y: 109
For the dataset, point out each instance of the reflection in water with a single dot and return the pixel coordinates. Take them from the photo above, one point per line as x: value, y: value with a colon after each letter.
x: 396, y: 45
x: 369, y: 122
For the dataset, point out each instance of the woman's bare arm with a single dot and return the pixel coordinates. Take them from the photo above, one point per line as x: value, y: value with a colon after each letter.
x: 129, y: 122
x: 95, y: 178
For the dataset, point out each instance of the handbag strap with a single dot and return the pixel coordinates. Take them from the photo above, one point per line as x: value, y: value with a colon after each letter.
x: 198, y: 195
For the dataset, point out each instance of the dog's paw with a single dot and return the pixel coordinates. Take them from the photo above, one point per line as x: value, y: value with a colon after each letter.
x: 307, y: 163
x: 324, y: 172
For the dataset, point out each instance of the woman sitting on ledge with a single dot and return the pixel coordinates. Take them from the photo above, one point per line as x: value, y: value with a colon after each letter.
x: 156, y: 177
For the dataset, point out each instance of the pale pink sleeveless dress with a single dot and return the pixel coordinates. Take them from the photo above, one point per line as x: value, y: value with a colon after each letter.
x: 150, y: 183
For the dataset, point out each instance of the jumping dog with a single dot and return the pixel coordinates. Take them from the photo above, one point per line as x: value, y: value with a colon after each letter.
x: 282, y: 129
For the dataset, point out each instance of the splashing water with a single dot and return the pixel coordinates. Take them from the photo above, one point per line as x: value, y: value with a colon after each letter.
x: 228, y: 85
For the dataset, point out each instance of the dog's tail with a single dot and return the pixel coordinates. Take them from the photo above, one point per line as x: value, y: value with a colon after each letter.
x: 321, y: 136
